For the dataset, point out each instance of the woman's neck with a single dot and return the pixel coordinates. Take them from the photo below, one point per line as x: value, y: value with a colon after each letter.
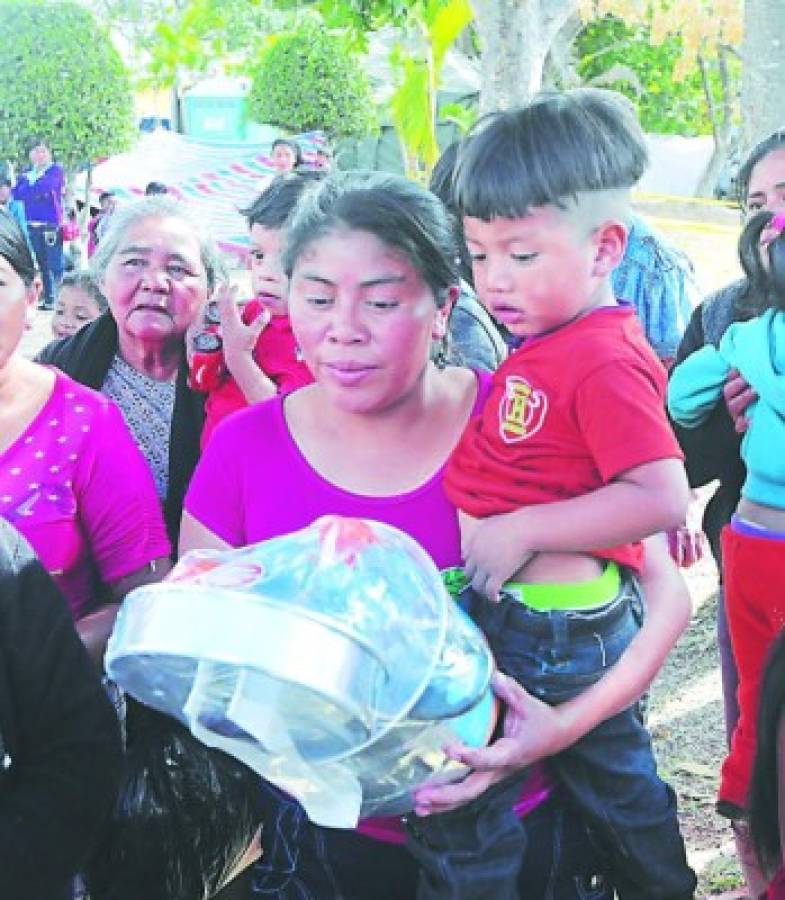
x: 158, y: 361
x: 390, y: 423
x: 14, y: 378
x: 390, y: 452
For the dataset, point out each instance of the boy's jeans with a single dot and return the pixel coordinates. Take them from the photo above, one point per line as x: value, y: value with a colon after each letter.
x: 610, y: 773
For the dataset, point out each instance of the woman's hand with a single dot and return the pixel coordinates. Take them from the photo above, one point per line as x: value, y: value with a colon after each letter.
x: 532, y: 731
x: 738, y: 396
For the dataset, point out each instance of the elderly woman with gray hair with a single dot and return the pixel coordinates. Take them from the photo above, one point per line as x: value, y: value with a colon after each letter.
x: 156, y: 268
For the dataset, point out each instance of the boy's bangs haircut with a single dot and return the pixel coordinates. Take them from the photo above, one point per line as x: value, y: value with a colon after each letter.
x: 559, y: 146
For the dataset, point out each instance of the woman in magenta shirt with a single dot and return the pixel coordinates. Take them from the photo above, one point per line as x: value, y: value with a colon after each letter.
x: 372, y: 279
x: 71, y: 477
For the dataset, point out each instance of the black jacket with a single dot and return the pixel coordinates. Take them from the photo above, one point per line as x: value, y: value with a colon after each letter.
x: 87, y: 357
x: 60, y: 754
x: 713, y: 449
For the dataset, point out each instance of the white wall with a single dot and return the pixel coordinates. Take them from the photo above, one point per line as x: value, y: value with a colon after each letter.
x: 677, y: 164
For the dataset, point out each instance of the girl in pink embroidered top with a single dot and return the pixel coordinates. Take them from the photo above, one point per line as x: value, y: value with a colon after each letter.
x: 370, y: 263
x: 71, y: 477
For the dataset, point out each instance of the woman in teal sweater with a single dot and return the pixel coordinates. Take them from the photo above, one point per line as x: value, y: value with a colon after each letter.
x: 753, y: 544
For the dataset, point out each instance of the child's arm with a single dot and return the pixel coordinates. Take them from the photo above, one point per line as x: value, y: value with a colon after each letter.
x: 239, y: 341
x: 696, y: 385
x: 637, y: 503
x: 534, y: 730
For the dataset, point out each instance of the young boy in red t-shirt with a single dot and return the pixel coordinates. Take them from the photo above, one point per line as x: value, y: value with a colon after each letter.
x: 570, y: 464
x: 245, y: 356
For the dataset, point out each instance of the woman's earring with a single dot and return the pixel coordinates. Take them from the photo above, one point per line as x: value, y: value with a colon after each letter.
x: 441, y: 356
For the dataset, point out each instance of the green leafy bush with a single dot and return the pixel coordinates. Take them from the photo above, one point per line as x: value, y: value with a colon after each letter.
x: 666, y: 104
x: 61, y: 79
x: 311, y: 79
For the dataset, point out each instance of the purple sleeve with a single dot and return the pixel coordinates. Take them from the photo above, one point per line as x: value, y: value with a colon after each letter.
x: 215, y: 495
x: 51, y: 182
x: 119, y: 510
x: 21, y: 189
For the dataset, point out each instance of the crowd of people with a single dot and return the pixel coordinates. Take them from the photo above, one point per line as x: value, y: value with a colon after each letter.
x: 483, y: 365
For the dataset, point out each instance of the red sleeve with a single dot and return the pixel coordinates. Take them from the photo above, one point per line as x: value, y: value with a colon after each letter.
x: 620, y: 408
x: 119, y: 510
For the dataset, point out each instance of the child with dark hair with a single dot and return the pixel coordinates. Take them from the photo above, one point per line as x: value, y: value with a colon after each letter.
x: 249, y: 356
x: 753, y: 552
x: 79, y: 301
x: 186, y: 823
x: 570, y: 465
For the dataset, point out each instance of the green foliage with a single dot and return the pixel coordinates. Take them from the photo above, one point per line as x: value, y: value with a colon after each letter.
x: 437, y: 25
x: 311, y: 78
x: 459, y: 114
x: 186, y: 41
x: 610, y: 51
x: 62, y: 79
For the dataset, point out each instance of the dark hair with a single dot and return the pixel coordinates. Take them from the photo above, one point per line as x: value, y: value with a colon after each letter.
x: 293, y: 145
x: 155, y: 187
x: 275, y: 204
x: 548, y: 152
x: 764, y: 790
x: 775, y: 141
x: 105, y: 195
x: 184, y: 816
x: 14, y: 248
x: 399, y: 212
x: 84, y: 281
x: 37, y: 141
x: 764, y: 287
x: 441, y: 184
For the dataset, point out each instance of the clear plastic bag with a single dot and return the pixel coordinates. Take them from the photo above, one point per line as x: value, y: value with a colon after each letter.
x: 332, y: 661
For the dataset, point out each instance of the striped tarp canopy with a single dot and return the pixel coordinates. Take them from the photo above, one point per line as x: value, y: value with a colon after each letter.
x: 216, y: 179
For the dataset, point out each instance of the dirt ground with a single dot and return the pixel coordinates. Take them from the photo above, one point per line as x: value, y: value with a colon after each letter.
x: 686, y: 707
x: 686, y: 702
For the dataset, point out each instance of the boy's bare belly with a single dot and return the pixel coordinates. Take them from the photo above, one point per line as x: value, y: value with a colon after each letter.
x: 559, y: 568
x: 548, y: 567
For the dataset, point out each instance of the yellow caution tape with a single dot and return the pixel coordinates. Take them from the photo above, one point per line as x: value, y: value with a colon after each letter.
x: 646, y: 197
x: 670, y: 224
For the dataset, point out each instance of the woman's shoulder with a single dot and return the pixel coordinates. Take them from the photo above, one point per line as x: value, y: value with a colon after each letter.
x: 79, y: 398
x: 244, y: 430
x: 87, y: 354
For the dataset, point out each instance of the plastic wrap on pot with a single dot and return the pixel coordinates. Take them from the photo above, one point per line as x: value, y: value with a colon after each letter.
x: 331, y: 661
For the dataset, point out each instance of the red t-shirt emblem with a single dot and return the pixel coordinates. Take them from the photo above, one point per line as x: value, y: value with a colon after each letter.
x: 521, y: 411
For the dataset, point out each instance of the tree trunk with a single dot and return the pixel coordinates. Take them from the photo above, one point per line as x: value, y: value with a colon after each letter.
x: 721, y: 117
x: 516, y: 36
x: 763, y: 55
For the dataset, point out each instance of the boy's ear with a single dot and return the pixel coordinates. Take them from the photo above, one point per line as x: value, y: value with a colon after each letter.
x: 610, y: 240
x: 442, y: 319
